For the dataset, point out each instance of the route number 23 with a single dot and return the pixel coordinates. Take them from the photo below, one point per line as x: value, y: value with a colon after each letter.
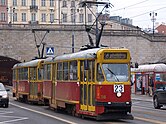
x: 118, y: 88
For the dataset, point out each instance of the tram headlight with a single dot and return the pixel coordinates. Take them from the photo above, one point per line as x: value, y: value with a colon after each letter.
x: 119, y: 94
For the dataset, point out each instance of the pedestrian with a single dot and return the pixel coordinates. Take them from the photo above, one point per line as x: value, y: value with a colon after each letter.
x: 151, y: 85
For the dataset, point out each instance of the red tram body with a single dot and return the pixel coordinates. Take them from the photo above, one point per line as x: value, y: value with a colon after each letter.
x: 91, y: 83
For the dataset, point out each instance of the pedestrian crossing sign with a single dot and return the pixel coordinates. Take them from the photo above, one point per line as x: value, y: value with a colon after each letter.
x: 50, y: 51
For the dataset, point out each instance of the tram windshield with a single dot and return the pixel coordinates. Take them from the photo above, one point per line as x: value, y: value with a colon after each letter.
x: 116, y: 72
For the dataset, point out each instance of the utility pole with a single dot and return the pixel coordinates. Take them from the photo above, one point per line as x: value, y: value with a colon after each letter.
x: 74, y: 23
x: 153, y: 19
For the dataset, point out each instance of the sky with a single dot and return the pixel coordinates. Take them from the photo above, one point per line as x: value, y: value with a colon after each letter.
x: 139, y: 11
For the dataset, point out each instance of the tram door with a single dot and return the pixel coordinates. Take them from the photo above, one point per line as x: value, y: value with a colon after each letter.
x: 33, y: 84
x: 87, y: 86
x: 53, y: 91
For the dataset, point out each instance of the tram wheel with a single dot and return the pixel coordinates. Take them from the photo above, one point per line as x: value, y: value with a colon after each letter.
x: 73, y: 111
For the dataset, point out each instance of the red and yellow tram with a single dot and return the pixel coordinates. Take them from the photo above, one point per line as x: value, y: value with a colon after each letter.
x: 28, y: 81
x: 94, y: 83
x: 90, y: 83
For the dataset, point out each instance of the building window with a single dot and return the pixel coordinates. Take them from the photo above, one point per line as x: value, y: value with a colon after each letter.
x: 33, y: 17
x: 73, y: 18
x: 23, y: 17
x: 64, y: 4
x: 43, y: 2
x: 51, y: 17
x: 72, y: 3
x: 43, y: 17
x: 81, y: 18
x: 89, y: 17
x: 2, y: 17
x: 14, y: 17
x: 3, y: 2
x: 14, y: 2
x: 23, y: 3
x: 33, y: 2
x: 51, y: 3
x: 64, y: 17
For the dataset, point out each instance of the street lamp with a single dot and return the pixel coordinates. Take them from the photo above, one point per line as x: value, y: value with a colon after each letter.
x: 153, y: 19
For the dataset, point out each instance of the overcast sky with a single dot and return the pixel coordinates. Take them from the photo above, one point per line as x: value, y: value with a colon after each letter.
x: 139, y: 11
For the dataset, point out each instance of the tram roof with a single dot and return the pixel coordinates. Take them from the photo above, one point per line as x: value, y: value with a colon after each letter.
x: 28, y: 64
x: 151, y: 67
x: 90, y: 53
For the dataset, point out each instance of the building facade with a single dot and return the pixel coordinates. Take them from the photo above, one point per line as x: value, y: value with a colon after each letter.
x: 48, y: 12
x: 161, y: 29
x: 3, y: 12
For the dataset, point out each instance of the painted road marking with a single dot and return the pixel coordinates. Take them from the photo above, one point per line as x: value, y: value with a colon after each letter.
x: 48, y: 115
x: 150, y: 120
x: 12, y: 118
x: 70, y: 122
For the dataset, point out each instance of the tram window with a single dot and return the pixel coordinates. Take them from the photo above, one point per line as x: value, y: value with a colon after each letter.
x: 32, y: 73
x: 35, y: 74
x: 14, y: 74
x: 65, y: 71
x: 45, y: 72
x: 40, y: 74
x: 100, y: 76
x: 59, y: 71
x: 82, y: 71
x: 49, y: 71
x: 73, y: 70
x: 90, y: 71
x: 20, y: 73
x: 93, y: 71
x: 25, y: 74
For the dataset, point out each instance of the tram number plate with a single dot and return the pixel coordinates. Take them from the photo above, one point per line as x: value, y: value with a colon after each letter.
x: 118, y: 88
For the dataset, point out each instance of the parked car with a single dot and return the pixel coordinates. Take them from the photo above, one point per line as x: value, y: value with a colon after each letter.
x: 4, y: 98
x: 159, y: 96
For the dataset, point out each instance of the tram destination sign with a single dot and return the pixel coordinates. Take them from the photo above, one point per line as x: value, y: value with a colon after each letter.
x: 115, y: 55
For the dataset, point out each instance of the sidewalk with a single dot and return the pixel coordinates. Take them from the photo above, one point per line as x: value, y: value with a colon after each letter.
x: 141, y: 97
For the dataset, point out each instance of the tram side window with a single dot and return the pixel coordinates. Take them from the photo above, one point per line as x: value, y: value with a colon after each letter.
x: 73, y: 70
x: 19, y: 73
x: 100, y: 76
x: 82, y: 71
x: 40, y: 74
x: 32, y: 73
x: 14, y: 74
x: 65, y: 71
x: 91, y: 71
x: 25, y: 73
x: 59, y: 71
x: 47, y: 72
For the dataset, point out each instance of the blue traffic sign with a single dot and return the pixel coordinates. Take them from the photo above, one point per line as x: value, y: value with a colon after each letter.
x: 50, y: 51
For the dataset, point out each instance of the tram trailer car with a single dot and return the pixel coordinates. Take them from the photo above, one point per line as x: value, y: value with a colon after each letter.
x: 28, y: 81
x: 91, y: 83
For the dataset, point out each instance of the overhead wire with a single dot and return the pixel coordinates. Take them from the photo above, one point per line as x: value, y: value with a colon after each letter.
x: 130, y: 5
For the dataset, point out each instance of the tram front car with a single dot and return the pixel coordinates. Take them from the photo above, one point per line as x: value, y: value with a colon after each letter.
x: 113, y: 88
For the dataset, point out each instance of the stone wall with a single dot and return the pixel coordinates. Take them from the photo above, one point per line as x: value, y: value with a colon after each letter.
x: 19, y: 43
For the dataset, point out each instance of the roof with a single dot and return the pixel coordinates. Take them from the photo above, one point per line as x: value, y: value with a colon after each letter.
x: 91, y: 53
x: 28, y: 64
x: 152, y: 67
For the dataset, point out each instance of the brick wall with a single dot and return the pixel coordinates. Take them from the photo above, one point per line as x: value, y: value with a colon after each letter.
x: 19, y: 43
